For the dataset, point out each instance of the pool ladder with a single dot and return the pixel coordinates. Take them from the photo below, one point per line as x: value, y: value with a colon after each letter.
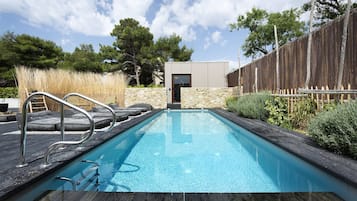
x: 63, y: 102
x: 86, y: 178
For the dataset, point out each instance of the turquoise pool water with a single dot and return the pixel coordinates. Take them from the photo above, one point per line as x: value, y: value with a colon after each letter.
x: 194, y: 151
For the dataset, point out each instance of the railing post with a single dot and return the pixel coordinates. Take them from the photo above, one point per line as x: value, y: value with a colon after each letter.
x: 54, y: 145
x: 62, y: 121
x: 23, y: 133
x: 95, y: 102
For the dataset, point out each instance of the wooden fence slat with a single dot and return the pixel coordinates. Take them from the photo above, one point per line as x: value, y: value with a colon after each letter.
x: 342, y: 95
x: 317, y: 100
x: 325, y: 55
x: 322, y: 97
x: 328, y: 95
x: 349, y: 95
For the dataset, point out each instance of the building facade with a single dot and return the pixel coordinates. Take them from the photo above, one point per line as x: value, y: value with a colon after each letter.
x: 193, y: 74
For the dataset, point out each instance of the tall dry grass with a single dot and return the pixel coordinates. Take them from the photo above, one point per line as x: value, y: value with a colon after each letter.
x: 108, y: 88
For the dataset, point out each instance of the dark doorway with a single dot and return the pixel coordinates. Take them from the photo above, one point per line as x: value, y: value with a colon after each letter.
x: 178, y: 81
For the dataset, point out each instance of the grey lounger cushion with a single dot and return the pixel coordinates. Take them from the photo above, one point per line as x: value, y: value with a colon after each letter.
x: 82, y: 124
x: 45, y: 124
x: 130, y: 112
x: 120, y: 116
x: 148, y: 107
x: 142, y: 107
x: 40, y: 121
x: 50, y: 121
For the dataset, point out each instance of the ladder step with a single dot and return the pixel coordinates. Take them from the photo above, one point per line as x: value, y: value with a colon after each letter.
x: 37, y: 103
x: 40, y: 107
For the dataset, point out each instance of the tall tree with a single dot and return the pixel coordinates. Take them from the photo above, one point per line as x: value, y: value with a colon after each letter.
x: 85, y: 59
x: 109, y: 56
x: 327, y: 10
x: 260, y: 24
x: 107, y: 52
x: 28, y: 51
x: 8, y: 58
x: 133, y: 43
x: 36, y: 52
x: 168, y: 48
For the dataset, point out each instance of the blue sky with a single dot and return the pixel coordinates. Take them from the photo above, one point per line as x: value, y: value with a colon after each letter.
x: 203, y: 24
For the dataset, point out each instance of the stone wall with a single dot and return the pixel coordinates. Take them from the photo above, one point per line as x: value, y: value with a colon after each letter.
x: 195, y: 97
x: 155, y: 96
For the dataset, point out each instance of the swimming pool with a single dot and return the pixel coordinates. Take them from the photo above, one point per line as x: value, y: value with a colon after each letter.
x: 192, y: 151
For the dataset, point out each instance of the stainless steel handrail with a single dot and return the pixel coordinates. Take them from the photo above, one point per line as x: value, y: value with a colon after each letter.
x: 96, y: 102
x: 54, y: 145
x: 74, y: 183
x: 90, y: 162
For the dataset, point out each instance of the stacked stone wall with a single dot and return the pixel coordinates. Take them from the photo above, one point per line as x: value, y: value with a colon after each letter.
x: 155, y: 96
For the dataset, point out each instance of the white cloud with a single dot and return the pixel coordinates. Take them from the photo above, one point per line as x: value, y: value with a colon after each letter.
x: 214, y: 38
x: 131, y: 8
x: 184, y: 16
x: 90, y: 17
x: 65, y: 41
x: 97, y: 17
x: 168, y: 20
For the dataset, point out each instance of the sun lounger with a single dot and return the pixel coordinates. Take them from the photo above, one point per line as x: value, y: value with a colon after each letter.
x: 141, y: 107
x: 50, y: 121
x: 81, y: 124
x: 120, y: 116
x: 130, y: 112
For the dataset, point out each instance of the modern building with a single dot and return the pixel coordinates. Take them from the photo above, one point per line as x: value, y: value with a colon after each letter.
x: 193, y: 74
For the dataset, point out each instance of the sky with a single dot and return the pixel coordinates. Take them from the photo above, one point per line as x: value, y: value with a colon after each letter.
x: 202, y: 24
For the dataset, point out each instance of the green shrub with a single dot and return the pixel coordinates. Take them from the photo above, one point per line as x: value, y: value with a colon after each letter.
x: 304, y: 110
x: 252, y: 106
x: 8, y: 92
x: 330, y: 106
x: 336, y: 130
x: 277, y: 108
x: 231, y: 103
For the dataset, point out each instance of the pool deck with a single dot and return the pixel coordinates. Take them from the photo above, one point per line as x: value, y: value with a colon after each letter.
x: 13, y: 179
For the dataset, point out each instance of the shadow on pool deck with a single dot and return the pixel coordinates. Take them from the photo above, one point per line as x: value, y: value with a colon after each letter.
x: 13, y: 180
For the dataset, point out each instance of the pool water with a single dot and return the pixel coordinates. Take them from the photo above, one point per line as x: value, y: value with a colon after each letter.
x: 190, y: 152
x: 195, y: 151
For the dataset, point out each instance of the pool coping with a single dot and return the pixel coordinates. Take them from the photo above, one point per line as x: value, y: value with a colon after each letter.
x: 166, y: 196
x: 300, y: 145
x: 16, y: 180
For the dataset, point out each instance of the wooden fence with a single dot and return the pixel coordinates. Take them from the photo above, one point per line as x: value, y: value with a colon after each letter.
x: 325, y: 53
x: 321, y: 96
